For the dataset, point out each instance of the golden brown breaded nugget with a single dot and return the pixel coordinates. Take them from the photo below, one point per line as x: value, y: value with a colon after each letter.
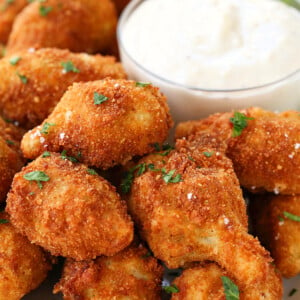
x: 73, y: 212
x: 130, y: 274
x: 23, y: 265
x: 277, y: 232
x: 10, y: 163
x: 11, y: 160
x: 201, y: 282
x: 188, y: 212
x: 8, y: 12
x: 266, y: 156
x: 107, y: 121
x: 33, y: 83
x: 78, y: 25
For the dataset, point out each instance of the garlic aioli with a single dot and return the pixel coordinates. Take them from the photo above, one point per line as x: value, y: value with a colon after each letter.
x: 215, y: 44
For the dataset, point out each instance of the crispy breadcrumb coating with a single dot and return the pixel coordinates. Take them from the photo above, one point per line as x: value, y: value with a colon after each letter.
x: 73, y: 213
x: 11, y: 160
x: 201, y: 282
x: 277, y: 232
x: 78, y: 25
x: 266, y: 156
x: 47, y: 74
x: 200, y: 217
x: 126, y: 122
x: 23, y: 265
x: 8, y: 12
x: 130, y: 274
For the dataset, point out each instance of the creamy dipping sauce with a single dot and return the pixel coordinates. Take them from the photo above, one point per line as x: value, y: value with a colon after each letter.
x: 215, y: 44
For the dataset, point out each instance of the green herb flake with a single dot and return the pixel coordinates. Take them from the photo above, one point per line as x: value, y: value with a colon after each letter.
x: 91, y: 171
x: 142, y: 84
x: 14, y: 60
x: 231, y: 290
x: 98, y: 98
x: 23, y: 78
x: 191, y: 158
x: 37, y: 176
x: 9, y: 142
x: 281, y: 219
x: 171, y: 289
x: 69, y: 67
x: 240, y: 122
x: 208, y: 154
x: 45, y: 10
x: 31, y: 193
x: 165, y: 148
x: 293, y: 292
x: 46, y: 154
x: 291, y: 216
x: 129, y: 176
x: 46, y: 127
x: 293, y: 3
x: 66, y: 157
x: 169, y: 178
x: 4, y: 221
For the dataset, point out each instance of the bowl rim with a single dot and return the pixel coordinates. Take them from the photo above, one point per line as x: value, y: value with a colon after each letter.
x: 131, y: 7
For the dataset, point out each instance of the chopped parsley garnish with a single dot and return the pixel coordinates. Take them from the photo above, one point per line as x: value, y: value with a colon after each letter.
x: 37, y: 176
x: 45, y: 10
x: 4, y: 221
x: 169, y: 178
x: 31, y: 193
x: 208, y: 154
x: 171, y: 289
x: 129, y: 176
x: 142, y: 84
x: 165, y: 148
x: 98, y: 98
x: 66, y: 157
x: 46, y: 127
x: 69, y: 67
x: 291, y: 216
x: 231, y: 290
x: 46, y: 154
x: 91, y: 171
x: 281, y: 219
x: 9, y: 142
x: 293, y: 292
x: 14, y: 60
x: 240, y: 122
x: 293, y: 3
x: 23, y: 78
x: 191, y: 158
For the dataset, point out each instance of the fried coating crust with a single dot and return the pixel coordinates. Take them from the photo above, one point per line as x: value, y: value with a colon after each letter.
x: 126, y: 124
x: 201, y: 282
x: 279, y: 234
x: 120, y: 5
x: 78, y: 25
x: 23, y: 265
x: 31, y: 102
x: 10, y: 157
x: 8, y: 13
x: 74, y: 214
x: 130, y: 274
x: 201, y: 218
x: 266, y: 156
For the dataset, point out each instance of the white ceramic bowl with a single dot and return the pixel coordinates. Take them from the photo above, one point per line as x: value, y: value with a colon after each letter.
x: 188, y: 103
